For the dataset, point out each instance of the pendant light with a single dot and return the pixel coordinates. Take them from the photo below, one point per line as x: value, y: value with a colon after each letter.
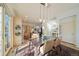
x: 43, y: 13
x: 40, y: 19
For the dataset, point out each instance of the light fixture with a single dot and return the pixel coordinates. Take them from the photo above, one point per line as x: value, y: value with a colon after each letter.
x: 43, y: 21
x: 44, y: 4
x: 40, y: 20
x: 26, y: 16
x: 43, y: 27
x: 43, y: 15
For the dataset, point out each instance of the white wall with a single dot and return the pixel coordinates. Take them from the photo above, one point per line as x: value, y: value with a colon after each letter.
x: 77, y: 30
x: 71, y: 13
x: 68, y: 30
x: 17, y: 39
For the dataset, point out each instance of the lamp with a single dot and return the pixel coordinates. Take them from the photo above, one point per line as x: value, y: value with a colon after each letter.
x: 42, y: 17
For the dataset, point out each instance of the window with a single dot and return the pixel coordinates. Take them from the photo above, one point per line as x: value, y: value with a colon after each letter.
x: 7, y: 32
x: 0, y: 30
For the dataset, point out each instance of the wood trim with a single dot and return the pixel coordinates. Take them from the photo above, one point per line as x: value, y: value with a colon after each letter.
x: 8, y: 50
x: 72, y: 46
x: 68, y: 43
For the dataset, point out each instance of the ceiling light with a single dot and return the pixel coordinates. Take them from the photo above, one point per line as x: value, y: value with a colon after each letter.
x: 26, y: 16
x: 40, y: 20
x: 44, y: 4
x: 43, y: 21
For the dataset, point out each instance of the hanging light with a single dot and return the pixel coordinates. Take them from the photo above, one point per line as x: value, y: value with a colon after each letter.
x: 44, y: 14
x: 40, y: 19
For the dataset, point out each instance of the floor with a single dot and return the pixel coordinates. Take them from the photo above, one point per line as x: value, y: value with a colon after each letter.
x: 66, y: 50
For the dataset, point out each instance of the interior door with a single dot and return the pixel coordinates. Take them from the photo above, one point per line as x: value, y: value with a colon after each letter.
x: 68, y: 30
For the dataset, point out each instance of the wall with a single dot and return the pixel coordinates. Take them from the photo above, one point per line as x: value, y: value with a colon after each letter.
x: 71, y: 13
x: 11, y: 29
x: 17, y: 39
x: 77, y: 30
x: 68, y: 30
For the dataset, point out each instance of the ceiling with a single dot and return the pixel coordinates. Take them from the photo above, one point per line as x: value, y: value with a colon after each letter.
x: 32, y: 10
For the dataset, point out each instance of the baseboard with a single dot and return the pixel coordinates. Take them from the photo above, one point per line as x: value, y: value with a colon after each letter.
x: 69, y: 43
x: 73, y: 46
